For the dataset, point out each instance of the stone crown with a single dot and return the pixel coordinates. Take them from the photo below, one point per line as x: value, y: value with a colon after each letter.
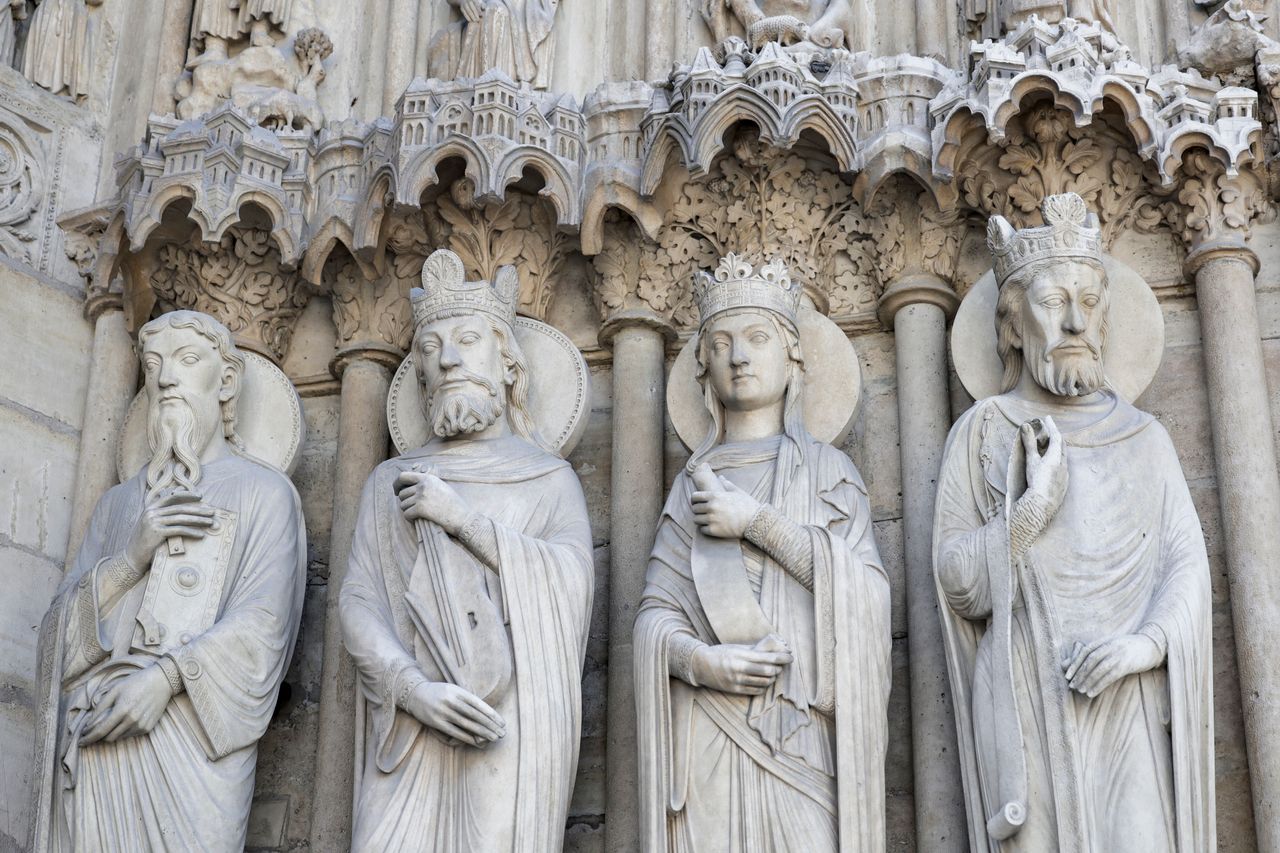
x: 736, y: 284
x: 1070, y: 232
x: 446, y: 292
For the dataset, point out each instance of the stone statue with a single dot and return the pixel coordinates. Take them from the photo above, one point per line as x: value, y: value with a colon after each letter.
x: 11, y: 12
x: 1073, y: 580
x: 513, y: 36
x: 257, y: 17
x: 467, y: 599
x: 163, y: 651
x: 58, y: 54
x: 762, y: 639
x: 214, y: 24
x: 817, y: 23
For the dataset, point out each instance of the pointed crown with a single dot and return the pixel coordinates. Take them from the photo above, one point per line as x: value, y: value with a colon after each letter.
x: 445, y: 290
x: 736, y: 284
x: 1070, y: 233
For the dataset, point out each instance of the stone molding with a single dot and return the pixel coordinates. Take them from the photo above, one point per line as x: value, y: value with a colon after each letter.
x: 922, y: 288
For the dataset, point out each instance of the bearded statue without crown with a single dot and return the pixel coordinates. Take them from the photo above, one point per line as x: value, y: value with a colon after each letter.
x: 468, y: 596
x: 1072, y: 579
x: 762, y: 639
x: 163, y: 652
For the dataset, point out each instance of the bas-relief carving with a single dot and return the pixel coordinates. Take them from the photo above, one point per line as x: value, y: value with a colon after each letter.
x: 275, y: 86
x: 22, y: 187
x: 994, y: 18
x: 762, y: 639
x: 511, y: 36
x: 1073, y: 579
x: 467, y: 598
x: 163, y: 651
x: 791, y: 23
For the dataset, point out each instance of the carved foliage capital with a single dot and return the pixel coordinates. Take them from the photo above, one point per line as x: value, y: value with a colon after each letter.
x: 240, y: 281
x: 1215, y: 207
x: 371, y: 316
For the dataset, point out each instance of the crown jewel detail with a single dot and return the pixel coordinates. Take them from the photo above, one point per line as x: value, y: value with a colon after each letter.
x: 736, y: 284
x: 1070, y: 232
x: 446, y: 290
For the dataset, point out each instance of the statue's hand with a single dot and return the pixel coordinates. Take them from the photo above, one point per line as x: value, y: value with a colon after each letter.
x: 130, y: 707
x: 1094, y: 668
x: 1047, y: 474
x: 449, y: 709
x: 178, y: 513
x: 425, y: 496
x: 472, y: 10
x: 747, y: 670
x: 720, y: 508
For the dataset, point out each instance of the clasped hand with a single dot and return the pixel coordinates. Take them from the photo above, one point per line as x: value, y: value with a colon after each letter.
x: 720, y: 508
x: 453, y: 711
x: 131, y: 706
x: 179, y: 513
x: 741, y: 669
x: 1093, y: 668
x: 425, y: 496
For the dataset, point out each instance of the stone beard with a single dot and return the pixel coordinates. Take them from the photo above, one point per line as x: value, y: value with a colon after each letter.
x: 219, y: 620
x: 496, y: 610
x: 797, y: 764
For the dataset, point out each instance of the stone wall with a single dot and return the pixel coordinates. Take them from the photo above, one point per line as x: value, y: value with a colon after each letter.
x: 876, y: 165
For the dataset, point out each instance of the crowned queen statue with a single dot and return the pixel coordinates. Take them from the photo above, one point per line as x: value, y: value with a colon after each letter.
x: 762, y: 639
x: 1071, y: 571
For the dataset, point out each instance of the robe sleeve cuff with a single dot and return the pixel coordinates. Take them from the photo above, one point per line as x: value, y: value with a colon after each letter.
x: 172, y: 674
x: 783, y: 540
x: 1157, y: 635
x: 680, y: 649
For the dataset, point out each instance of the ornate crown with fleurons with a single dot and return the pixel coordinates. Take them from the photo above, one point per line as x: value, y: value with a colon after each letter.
x: 1070, y: 233
x: 446, y: 292
x: 736, y: 284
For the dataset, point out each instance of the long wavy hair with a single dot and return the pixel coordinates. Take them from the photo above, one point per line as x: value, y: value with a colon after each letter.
x: 793, y: 403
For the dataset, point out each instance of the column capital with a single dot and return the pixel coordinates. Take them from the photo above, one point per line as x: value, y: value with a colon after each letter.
x: 631, y: 317
x: 1216, y: 208
x: 101, y: 300
x: 372, y: 316
x: 916, y: 289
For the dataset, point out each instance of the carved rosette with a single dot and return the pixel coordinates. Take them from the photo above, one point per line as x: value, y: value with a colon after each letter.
x: 21, y: 188
x: 240, y: 281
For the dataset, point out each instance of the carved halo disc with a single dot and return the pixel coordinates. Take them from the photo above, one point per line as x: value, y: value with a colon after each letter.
x: 268, y: 420
x: 1131, y: 354
x: 832, y: 384
x: 559, y: 391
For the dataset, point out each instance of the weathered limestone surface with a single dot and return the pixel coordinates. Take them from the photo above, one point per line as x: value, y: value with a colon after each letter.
x: 862, y: 170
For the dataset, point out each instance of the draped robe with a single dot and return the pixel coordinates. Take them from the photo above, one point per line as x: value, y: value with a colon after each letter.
x: 416, y: 789
x: 800, y: 767
x: 187, y: 785
x: 59, y: 51
x: 514, y: 36
x: 1131, y: 769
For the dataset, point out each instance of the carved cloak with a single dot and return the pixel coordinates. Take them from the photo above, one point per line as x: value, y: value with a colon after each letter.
x: 1068, y: 591
x: 414, y: 790
x: 190, y: 781
x: 843, y: 671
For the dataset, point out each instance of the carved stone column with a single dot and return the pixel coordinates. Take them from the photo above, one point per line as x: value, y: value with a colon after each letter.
x: 638, y: 335
x: 113, y: 378
x: 917, y: 307
x: 372, y: 318
x: 1219, y: 209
